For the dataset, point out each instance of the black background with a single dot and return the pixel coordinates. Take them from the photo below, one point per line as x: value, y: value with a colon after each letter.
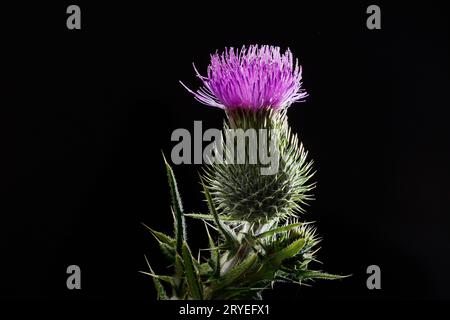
x: 85, y: 115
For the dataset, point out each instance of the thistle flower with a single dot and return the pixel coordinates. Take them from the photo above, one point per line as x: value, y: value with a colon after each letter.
x: 259, y: 239
x: 251, y: 78
x: 255, y: 86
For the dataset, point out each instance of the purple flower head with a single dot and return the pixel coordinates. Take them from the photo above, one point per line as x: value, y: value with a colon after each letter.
x: 252, y: 78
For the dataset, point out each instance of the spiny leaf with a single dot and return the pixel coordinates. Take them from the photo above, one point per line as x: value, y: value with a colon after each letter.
x: 160, y: 291
x: 288, y: 252
x: 313, y: 274
x: 178, y: 276
x: 210, y: 217
x: 204, y: 269
x: 167, y: 250
x: 177, y: 206
x: 238, y: 271
x: 160, y: 236
x: 178, y: 266
x: 166, y: 243
x: 167, y: 279
x: 278, y: 230
x: 191, y: 273
x: 215, y: 255
x: 229, y: 236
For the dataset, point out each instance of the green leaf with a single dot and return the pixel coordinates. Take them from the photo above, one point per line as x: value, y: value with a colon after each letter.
x: 166, y: 243
x: 177, y: 207
x: 179, y: 270
x: 210, y: 217
x: 278, y: 230
x: 288, y: 252
x: 167, y: 279
x: 160, y: 291
x: 236, y: 274
x: 313, y: 274
x: 162, y: 237
x: 192, y: 276
x: 205, y: 269
x: 167, y: 250
x: 229, y: 236
x: 178, y: 276
x: 215, y: 254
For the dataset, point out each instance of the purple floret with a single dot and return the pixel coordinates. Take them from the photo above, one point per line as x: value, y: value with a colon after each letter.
x: 253, y: 78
